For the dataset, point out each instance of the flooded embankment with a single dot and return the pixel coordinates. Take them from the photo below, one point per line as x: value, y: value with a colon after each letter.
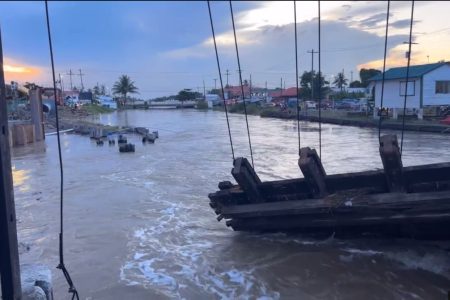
x: 138, y: 225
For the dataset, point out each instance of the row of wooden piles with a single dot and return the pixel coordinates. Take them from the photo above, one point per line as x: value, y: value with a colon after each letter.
x: 396, y: 201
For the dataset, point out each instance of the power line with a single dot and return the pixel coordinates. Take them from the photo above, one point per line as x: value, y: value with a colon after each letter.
x: 61, y: 265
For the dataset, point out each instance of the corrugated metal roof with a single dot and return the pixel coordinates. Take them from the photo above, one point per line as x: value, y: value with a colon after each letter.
x: 414, y: 72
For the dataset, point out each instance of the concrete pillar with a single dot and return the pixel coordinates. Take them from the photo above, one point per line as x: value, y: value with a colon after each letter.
x: 37, y: 116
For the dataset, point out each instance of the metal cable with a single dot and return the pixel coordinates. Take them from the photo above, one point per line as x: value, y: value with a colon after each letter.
x: 240, y: 82
x: 220, y: 77
x: 407, y: 75
x: 61, y: 265
x: 320, y: 89
x: 384, y: 70
x: 296, y: 75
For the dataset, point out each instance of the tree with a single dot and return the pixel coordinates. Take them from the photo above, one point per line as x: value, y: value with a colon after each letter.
x: 124, y: 86
x: 187, y: 94
x: 355, y: 84
x: 102, y: 90
x: 366, y: 74
x: 340, y: 81
x: 96, y: 90
x: 313, y: 82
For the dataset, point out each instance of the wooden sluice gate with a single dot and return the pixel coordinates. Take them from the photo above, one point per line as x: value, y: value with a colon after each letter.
x: 397, y: 201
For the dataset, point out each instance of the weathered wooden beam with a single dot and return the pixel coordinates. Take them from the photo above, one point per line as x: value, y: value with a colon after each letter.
x: 392, y: 163
x: 380, y: 204
x: 247, y: 179
x: 9, y: 255
x: 313, y: 171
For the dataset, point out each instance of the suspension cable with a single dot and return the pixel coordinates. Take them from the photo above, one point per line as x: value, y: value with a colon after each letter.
x: 320, y: 88
x: 220, y: 78
x: 240, y: 82
x: 296, y: 75
x: 407, y: 74
x: 384, y: 70
x: 61, y: 265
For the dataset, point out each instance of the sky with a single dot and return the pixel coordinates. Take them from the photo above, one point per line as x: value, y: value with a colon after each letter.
x: 167, y: 46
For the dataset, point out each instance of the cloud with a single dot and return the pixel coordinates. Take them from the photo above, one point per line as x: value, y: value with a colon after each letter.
x: 270, y: 53
x: 373, y: 20
x: 404, y: 23
x: 21, y: 71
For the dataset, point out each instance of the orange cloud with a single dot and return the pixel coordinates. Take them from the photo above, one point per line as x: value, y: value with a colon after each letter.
x: 18, y: 71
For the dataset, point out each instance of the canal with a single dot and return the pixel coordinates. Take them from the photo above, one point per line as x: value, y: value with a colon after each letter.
x: 138, y: 225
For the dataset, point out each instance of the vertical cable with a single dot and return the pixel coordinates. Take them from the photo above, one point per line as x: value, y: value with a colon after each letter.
x: 221, y: 81
x: 296, y: 75
x: 384, y: 70
x: 61, y: 265
x: 240, y: 82
x: 320, y: 89
x: 407, y: 75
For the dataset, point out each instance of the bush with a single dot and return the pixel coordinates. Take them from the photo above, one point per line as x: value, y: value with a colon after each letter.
x: 202, y: 105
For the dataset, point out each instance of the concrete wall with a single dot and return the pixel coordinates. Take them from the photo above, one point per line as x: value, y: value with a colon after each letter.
x: 392, y: 96
x: 429, y: 86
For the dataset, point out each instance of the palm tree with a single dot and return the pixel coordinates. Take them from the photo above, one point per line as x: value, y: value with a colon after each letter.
x: 123, y: 86
x: 340, y: 81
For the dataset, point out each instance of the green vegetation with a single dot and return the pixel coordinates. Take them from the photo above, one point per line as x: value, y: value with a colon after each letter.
x: 340, y: 81
x: 124, y: 86
x: 96, y: 109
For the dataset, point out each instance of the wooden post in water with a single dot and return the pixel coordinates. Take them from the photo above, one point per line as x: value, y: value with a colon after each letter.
x: 9, y: 255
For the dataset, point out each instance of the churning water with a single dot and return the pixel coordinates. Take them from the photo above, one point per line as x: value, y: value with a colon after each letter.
x: 138, y: 225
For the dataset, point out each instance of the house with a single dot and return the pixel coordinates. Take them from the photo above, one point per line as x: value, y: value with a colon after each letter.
x: 428, y: 85
x: 236, y: 91
x: 286, y: 97
x: 86, y: 97
x: 48, y: 94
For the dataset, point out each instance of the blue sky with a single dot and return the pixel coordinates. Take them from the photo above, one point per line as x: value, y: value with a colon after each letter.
x: 165, y: 46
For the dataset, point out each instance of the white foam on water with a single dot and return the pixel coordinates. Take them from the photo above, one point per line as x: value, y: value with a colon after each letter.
x: 437, y: 262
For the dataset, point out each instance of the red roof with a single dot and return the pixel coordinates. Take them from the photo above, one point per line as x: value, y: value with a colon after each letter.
x: 289, y: 92
x: 236, y: 90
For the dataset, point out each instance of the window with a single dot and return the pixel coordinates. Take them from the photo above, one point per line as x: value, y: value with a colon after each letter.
x: 411, y: 88
x: 443, y: 87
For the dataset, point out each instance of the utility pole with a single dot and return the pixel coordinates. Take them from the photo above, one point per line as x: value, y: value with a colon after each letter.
x: 227, y: 74
x: 81, y: 80
x: 351, y: 76
x: 204, y: 90
x: 312, y: 71
x: 250, y: 86
x: 281, y: 86
x: 70, y: 75
x: 9, y: 254
x: 266, y: 91
x: 215, y: 83
x: 61, y: 83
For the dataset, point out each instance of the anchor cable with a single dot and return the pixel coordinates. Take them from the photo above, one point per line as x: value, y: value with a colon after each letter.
x: 61, y: 265
x: 296, y: 75
x: 384, y: 70
x: 320, y: 88
x: 240, y: 82
x: 220, y: 77
x: 407, y: 75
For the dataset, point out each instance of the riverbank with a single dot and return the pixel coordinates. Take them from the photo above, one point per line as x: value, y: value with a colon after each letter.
x: 77, y: 119
x: 340, y: 118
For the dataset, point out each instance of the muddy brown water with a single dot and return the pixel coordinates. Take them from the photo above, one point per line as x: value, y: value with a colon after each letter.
x: 138, y: 225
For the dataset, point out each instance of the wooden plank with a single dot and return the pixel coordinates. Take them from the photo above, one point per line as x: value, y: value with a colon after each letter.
x: 313, y: 171
x: 247, y: 179
x: 424, y: 226
x: 9, y: 256
x: 392, y: 163
x: 375, y: 203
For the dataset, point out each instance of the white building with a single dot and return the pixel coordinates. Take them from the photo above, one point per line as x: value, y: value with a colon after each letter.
x: 428, y: 85
x: 107, y: 101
